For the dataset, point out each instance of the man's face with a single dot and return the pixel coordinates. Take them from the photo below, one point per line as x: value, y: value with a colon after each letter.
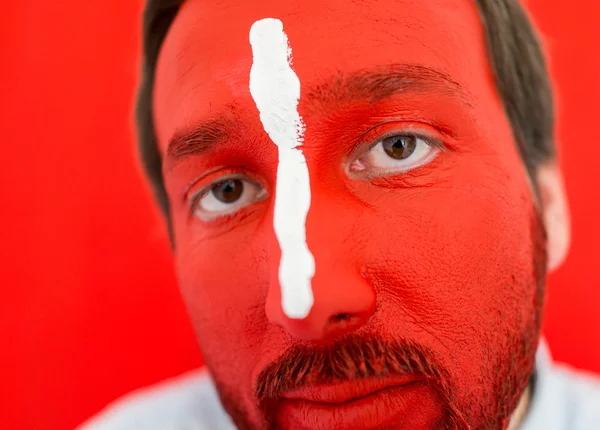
x: 427, y: 250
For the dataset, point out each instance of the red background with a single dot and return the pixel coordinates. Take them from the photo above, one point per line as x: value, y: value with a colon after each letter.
x: 89, y: 304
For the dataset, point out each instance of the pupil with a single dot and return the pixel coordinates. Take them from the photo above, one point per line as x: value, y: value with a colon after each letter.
x: 229, y: 191
x: 400, y: 147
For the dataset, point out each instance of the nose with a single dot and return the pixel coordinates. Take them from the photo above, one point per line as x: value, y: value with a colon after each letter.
x: 343, y: 299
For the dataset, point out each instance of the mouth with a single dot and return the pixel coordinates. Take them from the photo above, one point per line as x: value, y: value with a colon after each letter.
x: 388, y: 402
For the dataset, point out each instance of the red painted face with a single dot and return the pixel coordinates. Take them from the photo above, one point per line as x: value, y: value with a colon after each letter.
x: 428, y: 253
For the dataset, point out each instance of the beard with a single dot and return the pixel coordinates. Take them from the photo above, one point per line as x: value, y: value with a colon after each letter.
x: 354, y: 357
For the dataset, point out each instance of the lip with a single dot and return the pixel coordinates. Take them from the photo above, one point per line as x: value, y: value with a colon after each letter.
x: 347, y: 391
x: 401, y: 402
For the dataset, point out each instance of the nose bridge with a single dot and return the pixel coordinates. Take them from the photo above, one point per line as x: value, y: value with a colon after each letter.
x: 342, y: 298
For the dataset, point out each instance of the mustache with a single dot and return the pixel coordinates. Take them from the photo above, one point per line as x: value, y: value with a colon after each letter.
x: 352, y: 357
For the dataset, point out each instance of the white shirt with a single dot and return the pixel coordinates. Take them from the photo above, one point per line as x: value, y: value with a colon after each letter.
x: 563, y: 399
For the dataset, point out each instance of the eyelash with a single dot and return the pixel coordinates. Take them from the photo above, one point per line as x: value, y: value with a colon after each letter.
x: 221, y: 177
x: 395, y: 128
x: 432, y: 141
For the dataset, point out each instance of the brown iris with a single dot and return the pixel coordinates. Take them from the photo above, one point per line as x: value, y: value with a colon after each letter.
x: 229, y: 191
x: 399, y: 147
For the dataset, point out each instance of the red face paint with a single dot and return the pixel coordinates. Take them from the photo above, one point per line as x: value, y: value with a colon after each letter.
x: 437, y: 263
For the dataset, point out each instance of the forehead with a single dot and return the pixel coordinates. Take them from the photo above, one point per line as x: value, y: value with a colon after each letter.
x: 206, y: 58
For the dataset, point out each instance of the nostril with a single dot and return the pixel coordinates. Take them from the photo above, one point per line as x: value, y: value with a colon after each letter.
x: 342, y: 321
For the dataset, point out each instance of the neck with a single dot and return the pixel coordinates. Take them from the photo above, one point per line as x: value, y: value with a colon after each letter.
x: 521, y: 411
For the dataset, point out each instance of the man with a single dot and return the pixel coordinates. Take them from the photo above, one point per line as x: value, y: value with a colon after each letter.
x: 364, y: 201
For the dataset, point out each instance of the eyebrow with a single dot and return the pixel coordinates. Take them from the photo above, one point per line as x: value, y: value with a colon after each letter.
x: 200, y: 138
x: 372, y: 85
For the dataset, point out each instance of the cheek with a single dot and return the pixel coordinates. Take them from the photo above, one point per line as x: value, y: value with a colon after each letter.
x: 224, y: 283
x: 454, y: 262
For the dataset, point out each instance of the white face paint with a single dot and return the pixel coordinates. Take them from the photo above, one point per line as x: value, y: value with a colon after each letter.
x: 275, y: 89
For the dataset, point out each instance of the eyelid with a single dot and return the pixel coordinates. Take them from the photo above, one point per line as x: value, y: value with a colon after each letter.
x: 212, y: 179
x: 423, y: 132
x: 382, y: 131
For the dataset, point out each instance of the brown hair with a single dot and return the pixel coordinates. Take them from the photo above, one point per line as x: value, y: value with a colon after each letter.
x: 515, y: 56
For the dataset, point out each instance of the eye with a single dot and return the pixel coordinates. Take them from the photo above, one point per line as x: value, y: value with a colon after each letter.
x: 226, y: 197
x: 399, y: 147
x: 396, y: 154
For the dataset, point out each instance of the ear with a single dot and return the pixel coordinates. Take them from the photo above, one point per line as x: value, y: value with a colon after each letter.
x: 555, y: 212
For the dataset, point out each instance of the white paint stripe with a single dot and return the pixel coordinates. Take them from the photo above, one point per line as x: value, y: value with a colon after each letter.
x: 275, y: 89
